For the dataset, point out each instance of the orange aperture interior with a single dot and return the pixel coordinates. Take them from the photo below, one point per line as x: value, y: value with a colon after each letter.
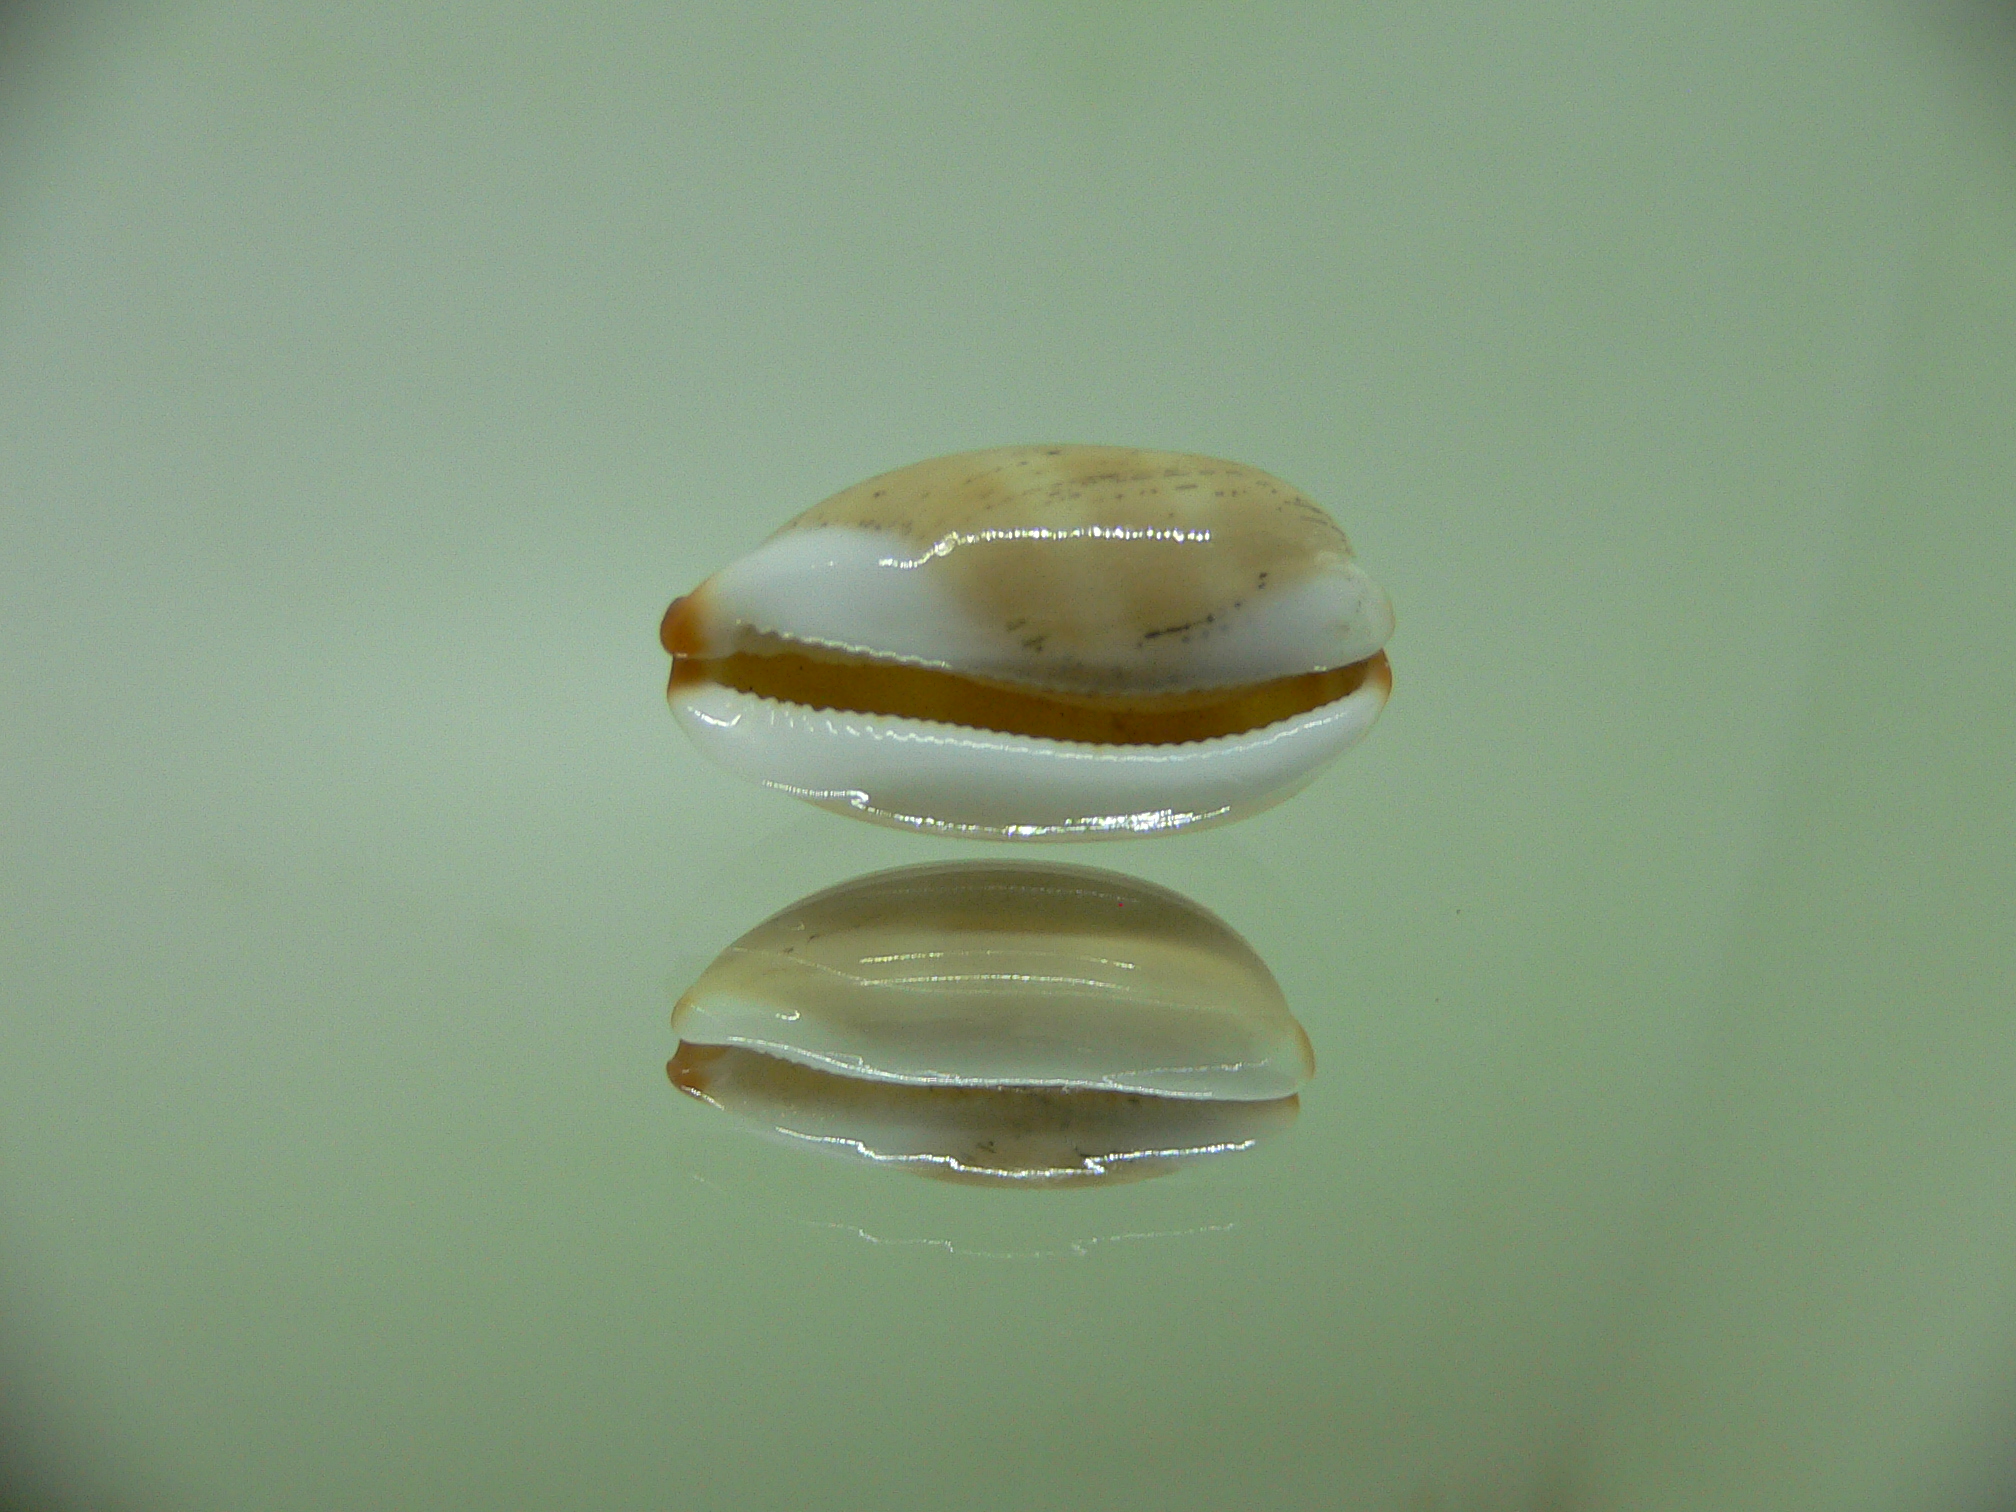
x: 860, y: 685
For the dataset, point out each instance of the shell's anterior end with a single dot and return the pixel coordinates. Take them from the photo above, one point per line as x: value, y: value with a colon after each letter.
x: 679, y: 631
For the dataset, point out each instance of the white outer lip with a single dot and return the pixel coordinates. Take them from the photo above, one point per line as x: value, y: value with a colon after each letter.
x: 983, y: 784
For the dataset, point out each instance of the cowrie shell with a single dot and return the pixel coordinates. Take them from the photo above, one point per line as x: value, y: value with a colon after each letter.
x: 1038, y: 642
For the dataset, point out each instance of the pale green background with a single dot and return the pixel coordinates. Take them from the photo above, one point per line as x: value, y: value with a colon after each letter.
x: 372, y: 375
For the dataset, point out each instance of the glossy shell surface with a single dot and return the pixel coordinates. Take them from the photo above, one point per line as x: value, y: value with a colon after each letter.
x: 1001, y: 1022
x: 997, y: 974
x: 1038, y: 643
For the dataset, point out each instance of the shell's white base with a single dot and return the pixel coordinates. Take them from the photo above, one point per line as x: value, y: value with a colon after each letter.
x: 981, y: 784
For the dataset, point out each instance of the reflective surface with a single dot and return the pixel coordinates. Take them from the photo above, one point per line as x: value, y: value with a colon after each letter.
x: 1003, y: 974
x: 367, y: 376
x: 1004, y: 1022
x: 1037, y: 1138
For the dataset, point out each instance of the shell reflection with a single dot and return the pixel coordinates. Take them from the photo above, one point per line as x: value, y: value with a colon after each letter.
x: 1038, y: 642
x: 997, y: 1021
x: 1020, y: 1136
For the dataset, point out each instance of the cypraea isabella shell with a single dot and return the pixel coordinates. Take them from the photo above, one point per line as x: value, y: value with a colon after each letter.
x: 997, y: 1020
x: 1039, y: 642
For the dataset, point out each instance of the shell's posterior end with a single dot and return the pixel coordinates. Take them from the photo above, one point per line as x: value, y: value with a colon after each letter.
x: 1380, y: 675
x: 692, y: 1070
